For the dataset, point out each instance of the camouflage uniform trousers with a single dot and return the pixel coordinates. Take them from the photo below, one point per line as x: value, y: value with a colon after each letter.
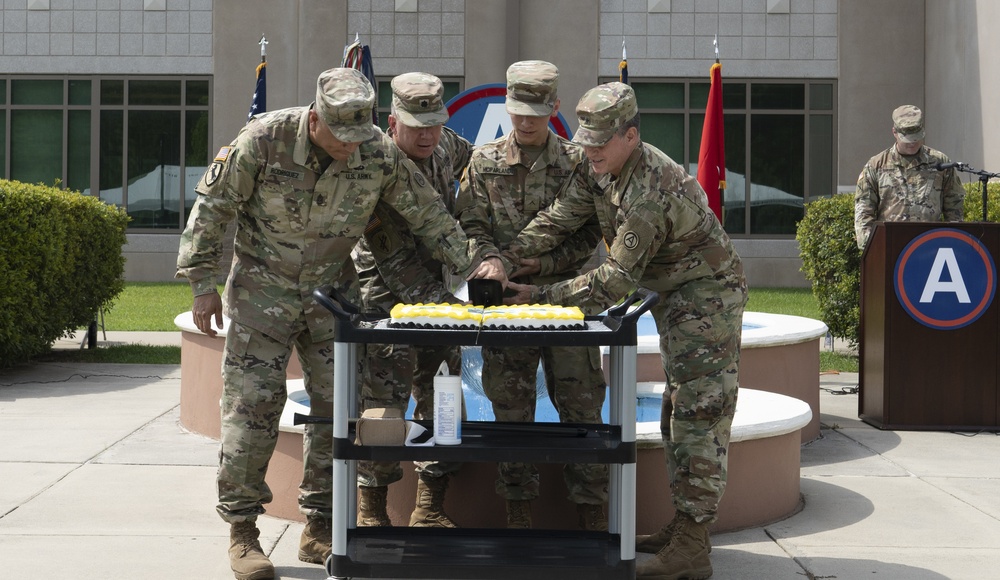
x: 390, y: 373
x: 700, y: 327
x: 253, y: 396
x: 576, y: 386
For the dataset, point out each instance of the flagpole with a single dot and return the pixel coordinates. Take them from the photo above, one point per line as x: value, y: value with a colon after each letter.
x: 258, y: 104
x: 711, y: 156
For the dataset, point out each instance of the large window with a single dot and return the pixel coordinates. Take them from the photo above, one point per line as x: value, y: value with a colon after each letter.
x: 139, y: 142
x: 780, y: 140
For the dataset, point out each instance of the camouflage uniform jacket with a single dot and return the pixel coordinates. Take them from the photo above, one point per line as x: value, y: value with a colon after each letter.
x: 393, y: 266
x: 893, y: 187
x: 657, y: 220
x: 502, y: 192
x: 296, y: 224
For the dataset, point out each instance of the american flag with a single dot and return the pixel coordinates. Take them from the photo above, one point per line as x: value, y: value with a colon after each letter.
x: 259, y: 102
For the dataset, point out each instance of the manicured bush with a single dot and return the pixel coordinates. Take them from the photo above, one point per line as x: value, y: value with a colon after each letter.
x: 974, y: 203
x: 60, y: 262
x: 831, y: 260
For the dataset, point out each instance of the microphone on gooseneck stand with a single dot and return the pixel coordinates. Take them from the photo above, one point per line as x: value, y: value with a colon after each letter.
x: 947, y: 166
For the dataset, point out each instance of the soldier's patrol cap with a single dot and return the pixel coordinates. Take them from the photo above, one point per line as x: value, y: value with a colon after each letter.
x: 908, y: 121
x: 418, y: 100
x: 344, y: 100
x: 602, y: 110
x: 531, y: 88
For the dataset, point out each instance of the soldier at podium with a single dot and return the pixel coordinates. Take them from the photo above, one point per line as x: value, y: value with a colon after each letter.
x: 906, y: 182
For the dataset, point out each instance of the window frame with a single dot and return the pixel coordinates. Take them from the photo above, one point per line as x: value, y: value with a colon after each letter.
x: 95, y: 108
x: 747, y: 111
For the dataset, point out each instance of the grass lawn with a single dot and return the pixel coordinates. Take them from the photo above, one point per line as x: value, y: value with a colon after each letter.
x: 152, y: 306
x: 149, y: 306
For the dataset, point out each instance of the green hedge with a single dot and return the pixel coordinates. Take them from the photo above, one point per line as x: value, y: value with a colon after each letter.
x: 831, y: 260
x: 61, y: 261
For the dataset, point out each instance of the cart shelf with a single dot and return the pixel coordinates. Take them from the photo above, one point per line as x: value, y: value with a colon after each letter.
x: 489, y: 553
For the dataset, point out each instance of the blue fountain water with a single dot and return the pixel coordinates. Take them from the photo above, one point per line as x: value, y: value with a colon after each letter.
x: 479, y: 408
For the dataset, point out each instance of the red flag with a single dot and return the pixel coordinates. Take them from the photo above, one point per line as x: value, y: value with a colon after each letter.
x: 712, y: 156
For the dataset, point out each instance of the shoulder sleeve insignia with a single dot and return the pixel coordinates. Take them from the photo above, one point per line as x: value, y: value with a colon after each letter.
x: 223, y: 154
x: 419, y: 178
x: 213, y: 173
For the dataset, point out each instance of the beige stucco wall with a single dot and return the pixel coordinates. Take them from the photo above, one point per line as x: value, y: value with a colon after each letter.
x: 881, y: 67
x: 963, y: 81
x: 937, y: 54
x: 304, y: 38
x: 500, y: 32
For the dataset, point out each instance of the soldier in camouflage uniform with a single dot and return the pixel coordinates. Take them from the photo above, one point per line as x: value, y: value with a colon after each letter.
x: 902, y: 183
x: 664, y: 237
x: 508, y: 181
x: 301, y: 184
x: 395, y: 267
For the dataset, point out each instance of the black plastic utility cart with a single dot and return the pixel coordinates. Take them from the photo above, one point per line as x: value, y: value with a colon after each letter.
x: 498, y: 554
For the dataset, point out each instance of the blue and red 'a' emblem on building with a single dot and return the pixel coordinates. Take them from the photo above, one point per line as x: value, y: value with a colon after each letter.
x: 479, y: 116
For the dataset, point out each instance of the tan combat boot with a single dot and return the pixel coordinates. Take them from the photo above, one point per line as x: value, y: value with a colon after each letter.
x: 314, y: 545
x: 429, y: 511
x: 592, y: 517
x: 518, y: 513
x: 684, y: 557
x: 371, y: 508
x: 246, y: 557
x: 653, y: 543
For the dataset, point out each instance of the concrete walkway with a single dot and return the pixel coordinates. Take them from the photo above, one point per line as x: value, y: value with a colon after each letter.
x: 99, y: 481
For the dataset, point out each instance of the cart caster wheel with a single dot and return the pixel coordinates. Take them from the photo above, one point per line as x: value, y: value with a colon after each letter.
x: 329, y: 569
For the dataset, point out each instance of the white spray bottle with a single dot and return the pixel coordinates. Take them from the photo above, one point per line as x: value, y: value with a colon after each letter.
x: 447, y: 407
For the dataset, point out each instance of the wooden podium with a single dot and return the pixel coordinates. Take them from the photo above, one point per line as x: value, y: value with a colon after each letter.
x: 914, y: 376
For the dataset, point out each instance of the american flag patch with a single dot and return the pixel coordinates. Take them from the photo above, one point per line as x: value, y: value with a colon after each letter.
x: 223, y: 154
x: 373, y: 224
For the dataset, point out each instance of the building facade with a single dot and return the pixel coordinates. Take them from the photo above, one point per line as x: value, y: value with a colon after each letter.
x: 129, y: 99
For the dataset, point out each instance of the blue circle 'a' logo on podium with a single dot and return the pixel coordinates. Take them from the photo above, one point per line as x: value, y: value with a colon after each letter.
x: 945, y: 279
x: 479, y: 115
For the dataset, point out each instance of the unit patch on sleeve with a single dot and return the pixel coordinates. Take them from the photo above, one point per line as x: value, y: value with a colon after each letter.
x: 213, y: 173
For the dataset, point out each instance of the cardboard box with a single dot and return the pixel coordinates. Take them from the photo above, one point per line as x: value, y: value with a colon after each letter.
x: 381, y: 427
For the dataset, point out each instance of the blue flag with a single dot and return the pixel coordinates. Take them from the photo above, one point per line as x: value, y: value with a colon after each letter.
x: 259, y: 103
x: 359, y: 57
x: 623, y: 66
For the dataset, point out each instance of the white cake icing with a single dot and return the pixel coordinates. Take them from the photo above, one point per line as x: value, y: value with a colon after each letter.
x: 520, y: 317
x: 532, y: 316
